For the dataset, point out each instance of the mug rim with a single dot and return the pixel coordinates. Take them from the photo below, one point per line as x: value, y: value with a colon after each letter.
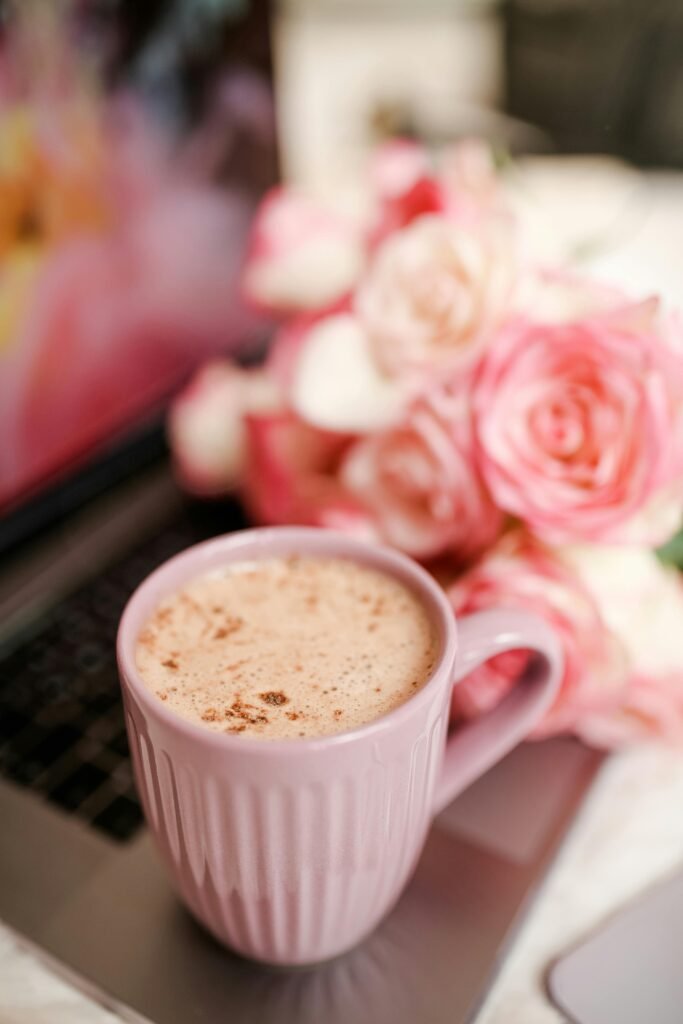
x: 313, y: 541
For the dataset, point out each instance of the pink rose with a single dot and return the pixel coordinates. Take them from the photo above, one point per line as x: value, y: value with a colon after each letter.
x: 641, y: 602
x: 618, y: 612
x: 419, y: 479
x: 405, y: 187
x: 468, y: 170
x: 291, y: 475
x: 652, y: 710
x: 463, y: 183
x: 579, y: 427
x: 521, y: 573
x: 206, y: 425
x: 435, y: 291
x: 396, y: 166
x: 302, y: 256
x: 286, y: 347
x: 426, y: 195
x: 550, y: 295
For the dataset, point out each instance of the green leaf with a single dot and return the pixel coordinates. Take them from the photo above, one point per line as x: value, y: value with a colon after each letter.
x: 671, y: 553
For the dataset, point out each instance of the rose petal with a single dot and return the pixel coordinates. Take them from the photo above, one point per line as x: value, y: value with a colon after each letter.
x: 641, y: 603
x: 435, y: 292
x: 206, y: 427
x: 551, y: 296
x: 336, y: 384
x: 614, y: 396
x: 521, y: 573
x: 420, y: 481
x: 292, y: 476
x: 396, y: 166
x: 302, y: 255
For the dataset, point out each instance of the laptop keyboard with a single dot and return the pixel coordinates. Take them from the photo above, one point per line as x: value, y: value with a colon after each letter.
x: 62, y: 730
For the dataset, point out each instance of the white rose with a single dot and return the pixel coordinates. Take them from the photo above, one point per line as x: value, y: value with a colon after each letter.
x: 336, y: 384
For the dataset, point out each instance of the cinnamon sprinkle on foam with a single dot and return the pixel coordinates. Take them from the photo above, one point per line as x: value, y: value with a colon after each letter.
x: 287, y: 647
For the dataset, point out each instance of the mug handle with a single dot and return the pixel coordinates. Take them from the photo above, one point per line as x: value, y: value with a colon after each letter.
x: 476, y: 747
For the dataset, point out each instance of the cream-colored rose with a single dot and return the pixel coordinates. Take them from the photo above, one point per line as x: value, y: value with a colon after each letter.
x: 435, y: 291
x: 419, y: 479
x: 335, y: 383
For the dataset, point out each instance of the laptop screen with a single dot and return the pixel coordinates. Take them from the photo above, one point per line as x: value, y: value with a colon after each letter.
x: 126, y: 196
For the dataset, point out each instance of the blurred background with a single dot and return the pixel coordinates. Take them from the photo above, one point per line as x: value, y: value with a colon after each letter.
x: 136, y: 139
x: 564, y: 76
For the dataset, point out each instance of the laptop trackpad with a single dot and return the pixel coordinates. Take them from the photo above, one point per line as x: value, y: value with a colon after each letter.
x: 630, y: 970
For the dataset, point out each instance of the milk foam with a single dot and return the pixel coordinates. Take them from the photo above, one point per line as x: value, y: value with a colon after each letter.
x: 284, y: 648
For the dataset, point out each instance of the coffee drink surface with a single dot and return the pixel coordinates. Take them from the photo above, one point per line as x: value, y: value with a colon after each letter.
x: 287, y: 648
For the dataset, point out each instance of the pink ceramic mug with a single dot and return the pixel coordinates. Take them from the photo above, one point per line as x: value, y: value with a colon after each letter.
x: 291, y: 851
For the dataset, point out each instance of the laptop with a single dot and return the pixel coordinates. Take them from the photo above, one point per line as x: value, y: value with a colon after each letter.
x: 79, y: 880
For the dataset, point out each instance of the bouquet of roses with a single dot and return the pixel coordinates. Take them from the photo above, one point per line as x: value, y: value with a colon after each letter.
x: 517, y: 428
